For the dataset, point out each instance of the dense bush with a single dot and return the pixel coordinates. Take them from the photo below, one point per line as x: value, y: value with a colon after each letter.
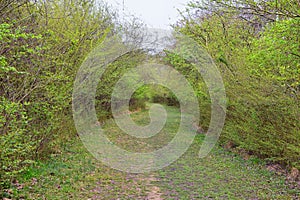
x: 258, y: 56
x: 21, y: 57
x: 109, y: 79
x: 42, y: 45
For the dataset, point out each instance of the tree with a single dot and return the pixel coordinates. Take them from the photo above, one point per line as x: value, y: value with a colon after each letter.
x: 256, y: 47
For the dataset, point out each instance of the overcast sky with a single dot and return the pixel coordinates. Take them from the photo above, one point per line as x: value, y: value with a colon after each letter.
x: 155, y: 13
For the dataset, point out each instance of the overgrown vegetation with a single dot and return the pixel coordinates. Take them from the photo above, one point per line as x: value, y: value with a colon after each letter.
x: 42, y: 46
x: 255, y: 45
x: 76, y: 174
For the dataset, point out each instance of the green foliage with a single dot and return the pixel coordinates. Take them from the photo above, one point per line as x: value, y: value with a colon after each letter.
x: 17, y: 146
x: 42, y: 45
x: 75, y: 174
x: 17, y: 137
x: 260, y: 69
x: 110, y: 78
x: 196, y: 81
x: 276, y: 54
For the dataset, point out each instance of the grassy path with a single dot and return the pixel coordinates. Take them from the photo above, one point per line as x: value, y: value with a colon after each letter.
x: 75, y: 174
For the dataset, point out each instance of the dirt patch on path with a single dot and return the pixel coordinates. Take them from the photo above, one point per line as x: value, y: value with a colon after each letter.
x: 154, y: 192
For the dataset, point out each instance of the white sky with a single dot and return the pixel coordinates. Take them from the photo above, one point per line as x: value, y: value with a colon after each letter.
x: 155, y: 13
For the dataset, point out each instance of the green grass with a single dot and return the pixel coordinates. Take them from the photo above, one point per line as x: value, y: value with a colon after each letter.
x: 221, y: 175
x: 75, y: 174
